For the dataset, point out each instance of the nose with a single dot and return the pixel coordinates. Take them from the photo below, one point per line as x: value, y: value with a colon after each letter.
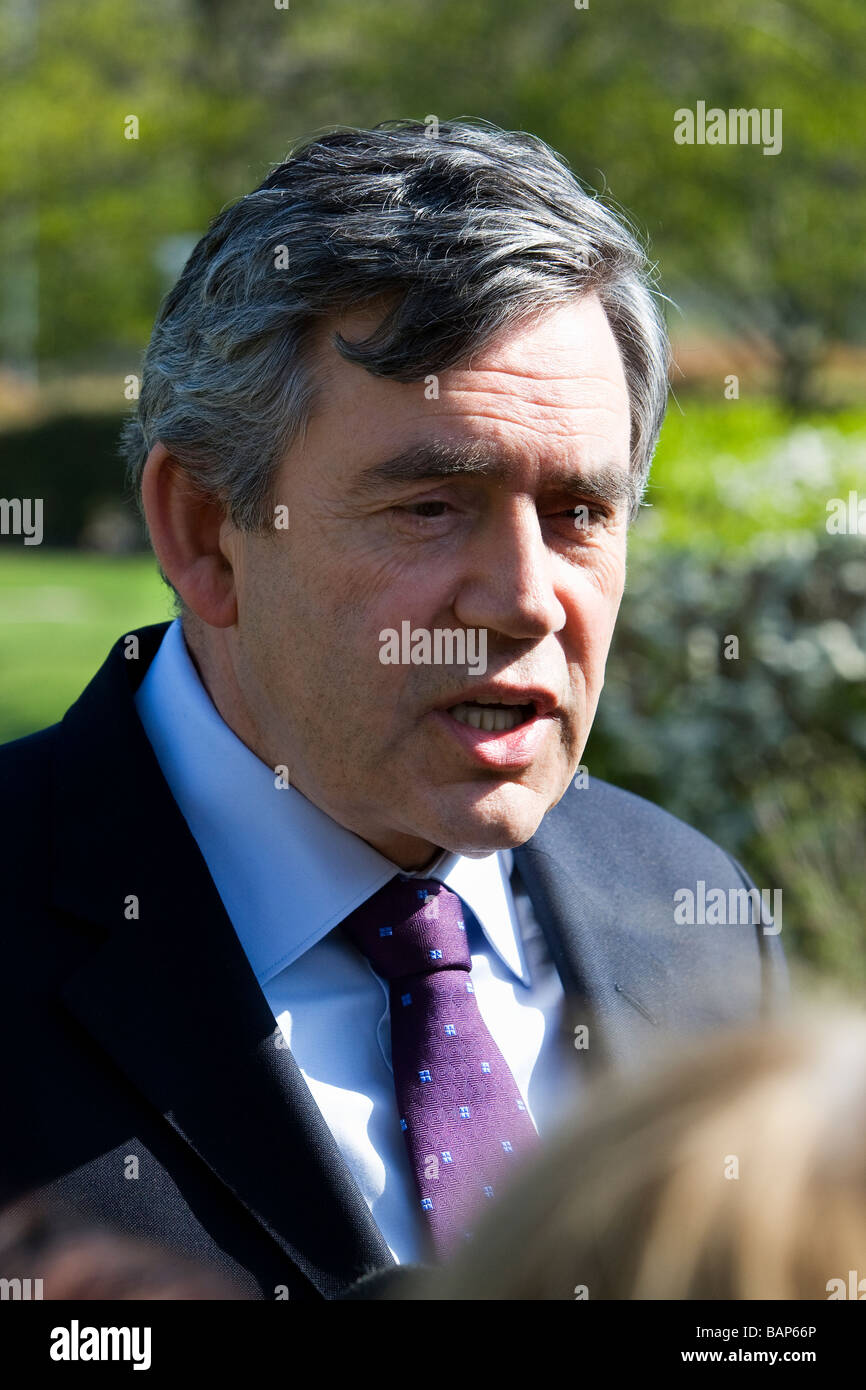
x: 508, y: 579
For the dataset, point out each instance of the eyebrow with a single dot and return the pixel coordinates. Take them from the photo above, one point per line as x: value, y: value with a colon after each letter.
x: 480, y: 459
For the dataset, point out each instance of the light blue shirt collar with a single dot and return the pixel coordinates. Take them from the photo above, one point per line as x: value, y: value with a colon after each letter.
x: 286, y: 872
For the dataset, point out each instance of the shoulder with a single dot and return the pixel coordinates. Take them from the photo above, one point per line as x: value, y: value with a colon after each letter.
x: 25, y: 765
x: 617, y: 865
x: 27, y: 770
x: 606, y: 825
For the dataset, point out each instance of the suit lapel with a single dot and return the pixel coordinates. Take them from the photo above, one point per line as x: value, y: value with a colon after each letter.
x: 172, y: 998
x: 606, y: 963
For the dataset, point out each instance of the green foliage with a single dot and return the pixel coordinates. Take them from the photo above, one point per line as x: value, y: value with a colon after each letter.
x: 730, y: 475
x: 812, y: 839
x: 765, y: 750
x: 767, y: 244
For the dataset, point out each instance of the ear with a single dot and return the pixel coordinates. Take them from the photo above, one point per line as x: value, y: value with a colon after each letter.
x: 187, y: 530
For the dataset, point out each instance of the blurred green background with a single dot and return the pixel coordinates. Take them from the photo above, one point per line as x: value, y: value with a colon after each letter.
x: 760, y: 257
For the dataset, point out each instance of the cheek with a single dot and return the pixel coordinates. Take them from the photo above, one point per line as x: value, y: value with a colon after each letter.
x: 365, y: 605
x: 592, y: 607
x: 608, y: 569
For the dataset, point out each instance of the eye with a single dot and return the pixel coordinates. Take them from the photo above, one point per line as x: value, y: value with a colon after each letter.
x: 583, y: 517
x: 424, y: 509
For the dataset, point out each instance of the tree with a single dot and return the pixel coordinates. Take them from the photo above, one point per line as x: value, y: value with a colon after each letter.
x: 767, y: 243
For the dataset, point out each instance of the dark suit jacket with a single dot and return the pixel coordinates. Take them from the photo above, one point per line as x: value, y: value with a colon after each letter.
x: 152, y: 1040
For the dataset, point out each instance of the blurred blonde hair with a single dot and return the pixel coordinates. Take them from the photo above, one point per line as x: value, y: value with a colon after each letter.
x: 736, y: 1172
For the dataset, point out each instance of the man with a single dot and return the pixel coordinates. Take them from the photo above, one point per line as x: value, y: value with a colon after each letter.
x: 395, y: 418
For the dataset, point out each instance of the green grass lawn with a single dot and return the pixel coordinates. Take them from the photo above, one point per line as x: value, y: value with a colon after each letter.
x: 60, y: 612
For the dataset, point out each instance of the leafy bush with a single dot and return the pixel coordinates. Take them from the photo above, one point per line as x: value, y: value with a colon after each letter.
x: 735, y: 699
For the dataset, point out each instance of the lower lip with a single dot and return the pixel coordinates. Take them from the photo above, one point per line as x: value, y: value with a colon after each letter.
x: 503, y: 748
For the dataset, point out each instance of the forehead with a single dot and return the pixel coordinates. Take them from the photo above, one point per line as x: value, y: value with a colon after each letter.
x: 551, y: 387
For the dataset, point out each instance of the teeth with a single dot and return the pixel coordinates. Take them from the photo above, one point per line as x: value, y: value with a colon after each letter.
x: 494, y: 720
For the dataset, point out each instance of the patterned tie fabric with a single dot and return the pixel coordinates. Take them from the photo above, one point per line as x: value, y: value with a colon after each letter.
x: 463, y: 1118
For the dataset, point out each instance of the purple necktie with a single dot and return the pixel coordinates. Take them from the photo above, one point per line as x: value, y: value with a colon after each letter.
x: 463, y: 1118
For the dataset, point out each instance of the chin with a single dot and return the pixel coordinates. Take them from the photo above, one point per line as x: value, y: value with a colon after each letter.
x: 497, y: 822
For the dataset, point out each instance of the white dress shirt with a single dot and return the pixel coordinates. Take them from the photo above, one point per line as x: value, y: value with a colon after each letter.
x: 288, y: 875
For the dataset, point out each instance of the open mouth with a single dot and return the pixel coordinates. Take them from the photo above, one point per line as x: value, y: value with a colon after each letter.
x: 492, y: 716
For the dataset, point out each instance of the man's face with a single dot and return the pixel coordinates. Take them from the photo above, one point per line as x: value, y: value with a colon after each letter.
x: 534, y: 427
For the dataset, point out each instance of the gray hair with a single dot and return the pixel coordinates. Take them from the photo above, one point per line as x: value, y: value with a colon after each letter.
x: 463, y: 232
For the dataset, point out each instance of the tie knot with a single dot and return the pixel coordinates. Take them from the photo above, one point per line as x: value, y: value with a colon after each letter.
x: 410, y: 927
